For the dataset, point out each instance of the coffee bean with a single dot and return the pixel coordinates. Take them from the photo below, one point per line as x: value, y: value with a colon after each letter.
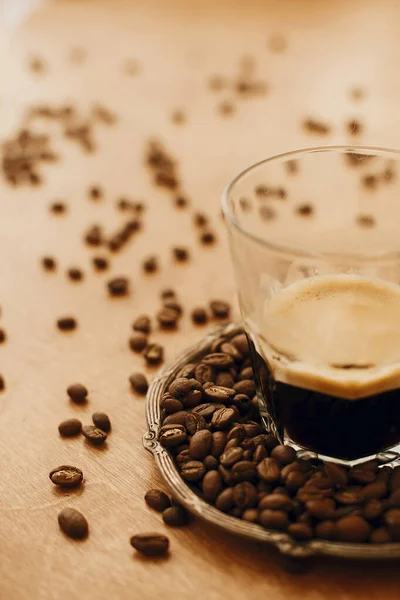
x: 95, y: 192
x: 244, y: 470
x: 66, y: 476
x: 101, y: 421
x: 218, y: 360
x: 172, y: 435
x: 274, y: 519
x: 232, y: 443
x: 168, y: 293
x: 142, y: 323
x: 221, y: 394
x: 178, y: 418
x: 200, y: 219
x: 73, y: 523
x: 276, y: 502
x: 193, y: 399
x: 204, y: 373
x: 352, y: 529
x: 226, y: 475
x: 337, y: 474
x: 94, y: 435
x: 211, y: 485
x: 252, y: 429
x: 75, y: 274
x: 323, y: 509
x: 150, y: 264
x: 241, y: 343
x: 173, y: 305
x: 246, y: 386
x: 100, y: 263
x: 70, y: 427
x: 154, y: 354
x: 193, y: 471
x: 167, y: 318
x: 259, y: 454
x: 231, y: 456
x: 225, y: 379
x: 183, y: 457
x: 295, y: 480
x: 172, y: 405
x: 394, y: 499
x: 67, y: 323
x: 77, y: 392
x: 157, y: 500
x: 360, y: 475
x: 218, y: 443
x: 223, y: 418
x: 392, y: 520
x: 180, y: 253
x: 373, y: 509
x: 181, y: 387
x: 224, y: 501
x: 210, y: 462
x: 94, y: 236
x: 245, y: 495
x: 300, y: 531
x: 348, y: 510
x: 118, y: 286
x: 268, y: 470
x: 237, y: 433
x: 271, y: 442
x: 150, y: 544
x: 220, y: 309
x: 188, y: 371
x: 350, y: 496
x: 251, y: 515
x: 377, y: 489
x: 199, y: 316
x: 58, y: 208
x: 139, y: 383
x: 380, y: 536
x: 200, y: 444
x: 138, y: 342
x: 48, y: 263
x: 283, y: 454
x: 175, y: 516
x: 325, y: 530
x: 205, y: 410
x: 207, y: 237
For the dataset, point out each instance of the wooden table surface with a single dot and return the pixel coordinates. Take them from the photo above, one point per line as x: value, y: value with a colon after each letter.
x: 331, y: 47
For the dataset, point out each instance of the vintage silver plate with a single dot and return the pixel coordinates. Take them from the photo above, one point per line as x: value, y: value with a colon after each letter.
x: 201, y: 509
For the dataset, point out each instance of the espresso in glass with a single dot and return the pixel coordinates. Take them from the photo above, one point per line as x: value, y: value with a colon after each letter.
x: 326, y: 356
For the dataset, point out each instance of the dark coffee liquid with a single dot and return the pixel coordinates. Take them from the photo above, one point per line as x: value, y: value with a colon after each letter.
x: 333, y: 426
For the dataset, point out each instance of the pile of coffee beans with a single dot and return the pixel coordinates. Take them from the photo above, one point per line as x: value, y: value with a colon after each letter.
x: 211, y: 425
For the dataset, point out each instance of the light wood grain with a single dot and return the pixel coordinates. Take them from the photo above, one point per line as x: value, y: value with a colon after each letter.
x: 178, y: 45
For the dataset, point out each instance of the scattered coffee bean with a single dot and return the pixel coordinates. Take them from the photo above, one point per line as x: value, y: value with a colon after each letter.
x: 199, y: 316
x: 77, y: 392
x: 305, y: 210
x: 119, y: 286
x: 95, y: 192
x: 167, y: 318
x: 354, y: 127
x: 100, y: 263
x: 138, y: 342
x: 220, y: 309
x: 48, y: 263
x: 150, y: 264
x: 226, y: 108
x: 366, y: 221
x: 70, y: 427
x: 101, y: 421
x: 75, y: 274
x: 67, y: 323
x: 150, y: 544
x: 139, y: 383
x: 168, y: 294
x: 200, y: 219
x: 142, y: 323
x: 94, y: 236
x: 66, y: 476
x: 73, y: 523
x: 58, y: 208
x: 94, y: 435
x: 154, y: 354
x: 318, y: 127
x: 173, y: 305
x: 157, y: 500
x: 207, y: 238
x: 181, y: 201
x: 180, y: 253
x: 3, y: 336
x: 175, y: 516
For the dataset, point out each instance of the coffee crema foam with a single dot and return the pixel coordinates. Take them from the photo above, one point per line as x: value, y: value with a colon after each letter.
x: 335, y: 334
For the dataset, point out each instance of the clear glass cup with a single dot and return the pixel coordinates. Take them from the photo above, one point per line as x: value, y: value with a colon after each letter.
x: 315, y: 242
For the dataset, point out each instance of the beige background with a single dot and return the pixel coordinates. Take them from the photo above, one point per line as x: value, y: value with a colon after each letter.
x: 331, y: 46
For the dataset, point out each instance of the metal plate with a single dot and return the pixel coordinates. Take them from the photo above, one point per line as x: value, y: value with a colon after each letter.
x: 201, y: 509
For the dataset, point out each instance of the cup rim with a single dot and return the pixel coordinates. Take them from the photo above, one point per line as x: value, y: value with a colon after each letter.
x: 297, y: 252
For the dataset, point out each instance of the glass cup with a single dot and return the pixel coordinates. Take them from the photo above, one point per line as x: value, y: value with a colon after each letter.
x: 315, y: 242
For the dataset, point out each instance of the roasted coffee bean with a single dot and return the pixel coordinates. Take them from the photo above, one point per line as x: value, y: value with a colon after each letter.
x: 394, y: 499
x: 245, y: 495
x: 232, y: 443
x: 204, y: 373
x: 392, y: 521
x: 100, y: 263
x: 384, y: 474
x: 241, y: 343
x: 75, y: 274
x: 236, y: 433
x: 142, y: 323
x: 246, y: 386
x: 300, y: 531
x: 248, y: 455
x: 325, y: 530
x: 225, y: 379
x: 305, y: 494
x: 200, y: 219
x: 236, y: 512
x: 180, y: 253
x: 226, y: 475
x: 138, y: 342
x: 193, y: 399
x: 295, y: 480
x: 171, y: 404
x: 58, y: 207
x: 323, y: 509
x: 246, y: 373
x: 77, y: 392
x: 252, y: 429
x: 352, y: 529
x: 94, y: 435
x: 102, y: 421
x: 223, y: 418
x: 268, y: 470
x: 217, y: 343
x: 66, y: 476
x: 228, y: 348
x: 199, y: 316
x: 251, y: 515
x: 139, y: 383
x: 360, y: 475
x: 94, y: 236
x: 210, y: 462
x: 212, y: 485
x: 118, y: 286
x: 350, y: 496
x: 380, y: 536
x: 183, y: 457
x: 168, y: 293
x: 205, y: 410
x: 175, y: 516
x: 271, y: 442
x: 154, y: 354
x: 377, y: 489
x: 274, y: 519
x: 259, y: 454
x: 283, y: 454
x: 181, y: 387
x: 278, y: 490
x: 70, y: 427
x: 167, y: 318
x: 178, y: 418
x: 373, y: 509
x: 200, y: 444
x: 347, y: 511
x: 218, y: 360
x: 220, y: 309
x: 218, y: 443
x: 172, y: 435
x: 157, y: 500
x: 207, y: 237
x: 49, y: 263
x: 195, y: 423
x: 231, y: 456
x: 221, y: 394
x: 337, y: 474
x: 150, y: 544
x: 73, y: 523
x: 188, y: 371
x: 173, y: 305
x: 150, y: 264
x: 192, y: 470
x: 244, y: 470
x: 276, y: 502
x: 67, y: 323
